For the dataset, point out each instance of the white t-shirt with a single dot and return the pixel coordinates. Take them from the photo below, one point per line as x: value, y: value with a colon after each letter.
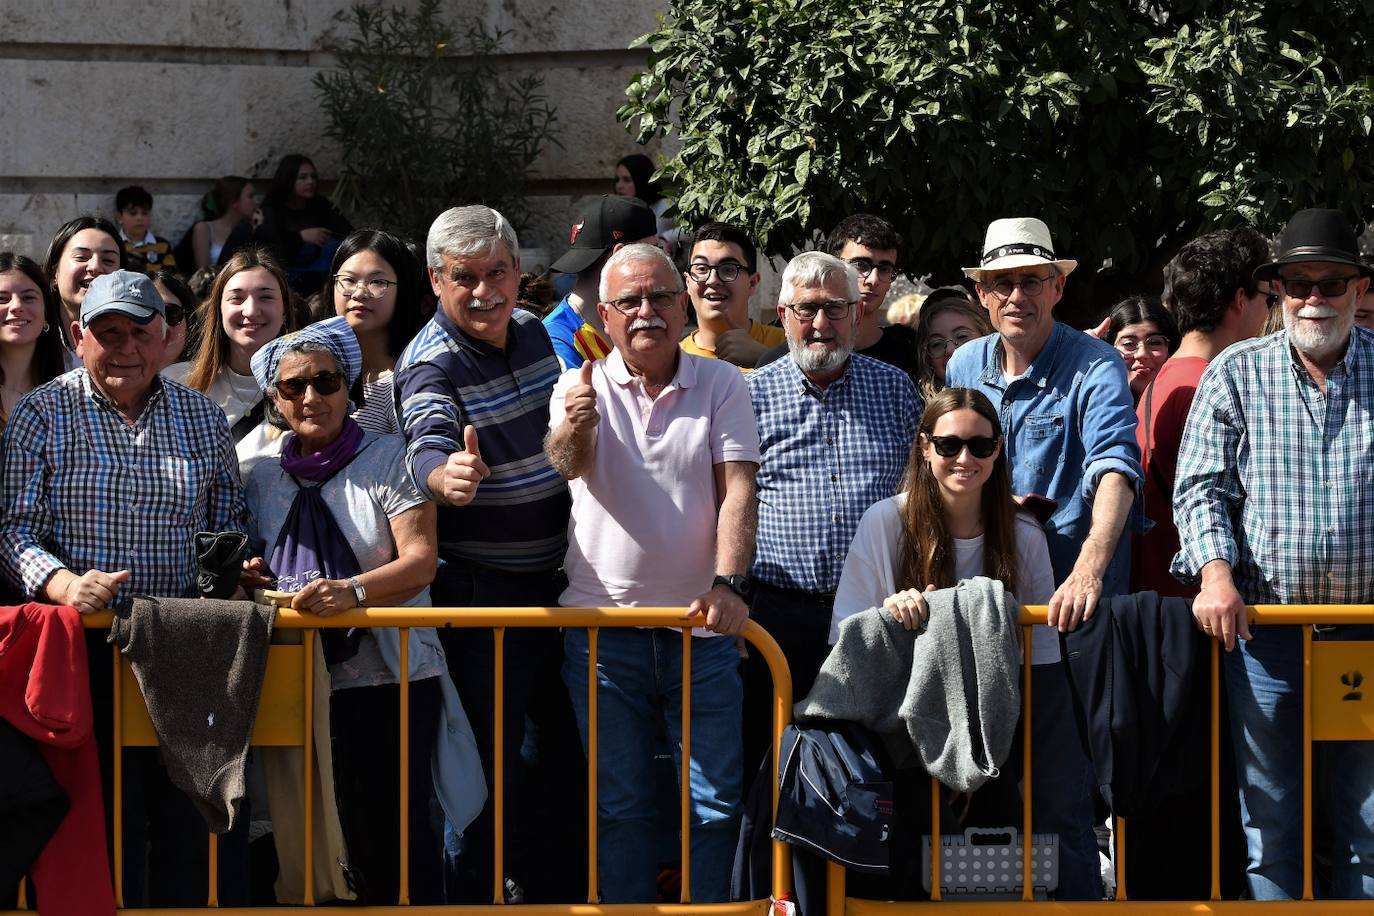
x: 872, y: 565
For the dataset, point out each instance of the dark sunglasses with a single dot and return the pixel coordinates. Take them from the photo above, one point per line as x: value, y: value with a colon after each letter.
x: 326, y: 383
x: 175, y: 315
x: 950, y: 446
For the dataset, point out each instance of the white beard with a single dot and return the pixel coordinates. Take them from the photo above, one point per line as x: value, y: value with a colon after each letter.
x: 810, y: 360
x: 1318, y: 343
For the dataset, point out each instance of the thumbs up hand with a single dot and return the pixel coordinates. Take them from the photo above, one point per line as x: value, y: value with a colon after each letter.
x: 580, y: 402
x: 464, y: 471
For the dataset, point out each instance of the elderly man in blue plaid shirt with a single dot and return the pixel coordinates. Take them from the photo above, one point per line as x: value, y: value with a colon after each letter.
x: 1274, y: 505
x: 835, y: 430
x: 109, y: 472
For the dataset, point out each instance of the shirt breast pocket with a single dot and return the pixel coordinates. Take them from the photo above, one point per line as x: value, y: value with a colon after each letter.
x: 1042, y: 442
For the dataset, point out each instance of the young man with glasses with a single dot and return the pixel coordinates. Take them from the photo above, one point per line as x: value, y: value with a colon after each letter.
x: 835, y: 430
x: 1274, y: 506
x: 720, y: 279
x: 870, y: 244
x: 1069, y: 422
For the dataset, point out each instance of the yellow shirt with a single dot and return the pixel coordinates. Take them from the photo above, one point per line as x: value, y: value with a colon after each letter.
x: 765, y: 334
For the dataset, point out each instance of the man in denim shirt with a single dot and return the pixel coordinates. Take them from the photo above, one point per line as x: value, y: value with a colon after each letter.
x: 1070, y: 425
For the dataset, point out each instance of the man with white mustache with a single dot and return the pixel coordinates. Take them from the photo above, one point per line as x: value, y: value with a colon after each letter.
x: 835, y: 429
x: 660, y: 448
x: 1274, y: 505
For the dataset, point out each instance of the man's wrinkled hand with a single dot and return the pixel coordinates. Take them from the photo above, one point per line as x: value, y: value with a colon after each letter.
x: 725, y: 611
x: 1219, y: 611
x: 94, y: 591
x: 464, y: 471
x: 1074, y: 601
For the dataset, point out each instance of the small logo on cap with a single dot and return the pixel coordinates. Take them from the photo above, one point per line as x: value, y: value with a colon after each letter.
x: 133, y: 292
x: 577, y: 227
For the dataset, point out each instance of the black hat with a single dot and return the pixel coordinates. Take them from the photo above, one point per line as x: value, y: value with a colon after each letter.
x: 1316, y: 235
x: 608, y: 221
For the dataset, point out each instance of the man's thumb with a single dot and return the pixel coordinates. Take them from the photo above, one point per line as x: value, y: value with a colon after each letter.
x: 119, y: 578
x: 585, y: 373
x: 470, y: 441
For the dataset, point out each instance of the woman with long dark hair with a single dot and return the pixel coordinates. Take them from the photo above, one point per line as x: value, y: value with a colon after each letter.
x: 229, y: 208
x: 374, y: 282
x: 1145, y: 334
x: 300, y: 225
x: 634, y: 178
x: 30, y: 340
x: 83, y: 249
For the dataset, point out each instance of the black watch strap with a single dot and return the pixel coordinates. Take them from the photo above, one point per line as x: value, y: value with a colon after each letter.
x: 740, y: 585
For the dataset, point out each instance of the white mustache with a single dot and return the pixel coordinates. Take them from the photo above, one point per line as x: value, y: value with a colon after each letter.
x: 1316, y: 311
x: 489, y: 303
x: 647, y: 324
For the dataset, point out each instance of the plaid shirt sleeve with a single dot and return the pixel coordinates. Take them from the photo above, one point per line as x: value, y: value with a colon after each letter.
x: 28, y: 522
x: 1207, y: 485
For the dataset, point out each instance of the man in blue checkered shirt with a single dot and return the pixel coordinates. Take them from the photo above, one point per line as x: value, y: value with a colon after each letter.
x: 835, y: 430
x: 109, y: 472
x: 1274, y: 504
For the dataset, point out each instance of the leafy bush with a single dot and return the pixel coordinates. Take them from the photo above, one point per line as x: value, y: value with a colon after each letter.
x: 424, y: 121
x: 1128, y: 127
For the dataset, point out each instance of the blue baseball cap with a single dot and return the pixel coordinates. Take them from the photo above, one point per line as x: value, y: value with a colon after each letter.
x: 126, y: 292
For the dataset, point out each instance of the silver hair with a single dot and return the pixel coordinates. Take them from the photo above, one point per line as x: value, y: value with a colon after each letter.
x: 640, y: 251
x: 270, y: 412
x: 811, y: 269
x: 462, y: 232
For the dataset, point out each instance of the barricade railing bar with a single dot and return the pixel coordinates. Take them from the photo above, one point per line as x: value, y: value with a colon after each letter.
x: 1321, y: 721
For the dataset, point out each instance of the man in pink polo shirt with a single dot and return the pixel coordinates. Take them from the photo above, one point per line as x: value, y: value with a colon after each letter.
x: 660, y: 449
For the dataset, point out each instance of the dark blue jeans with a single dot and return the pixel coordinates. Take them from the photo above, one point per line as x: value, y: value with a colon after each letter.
x: 546, y: 777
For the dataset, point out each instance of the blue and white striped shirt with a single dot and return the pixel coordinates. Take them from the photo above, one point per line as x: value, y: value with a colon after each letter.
x: 826, y: 456
x: 1277, y: 478
x: 84, y: 490
x: 446, y: 380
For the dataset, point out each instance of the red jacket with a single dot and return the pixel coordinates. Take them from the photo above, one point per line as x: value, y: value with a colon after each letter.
x: 45, y: 693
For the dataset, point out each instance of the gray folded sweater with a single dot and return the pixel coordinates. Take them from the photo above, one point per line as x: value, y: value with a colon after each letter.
x: 200, y: 665
x: 947, y: 695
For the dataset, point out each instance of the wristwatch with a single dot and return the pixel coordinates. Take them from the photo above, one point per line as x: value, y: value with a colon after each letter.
x: 358, y: 591
x: 740, y: 585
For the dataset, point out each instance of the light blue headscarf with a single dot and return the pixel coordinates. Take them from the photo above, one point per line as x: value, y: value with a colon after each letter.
x: 334, y: 333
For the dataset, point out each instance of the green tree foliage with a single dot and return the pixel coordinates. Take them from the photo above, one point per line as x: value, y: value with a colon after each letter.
x: 424, y: 121
x: 1127, y: 126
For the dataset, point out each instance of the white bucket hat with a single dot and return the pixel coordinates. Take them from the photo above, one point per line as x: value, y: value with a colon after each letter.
x: 1018, y: 241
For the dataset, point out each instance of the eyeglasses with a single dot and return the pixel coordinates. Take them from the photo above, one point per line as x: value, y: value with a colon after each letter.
x: 1031, y: 286
x: 1330, y: 287
x: 660, y: 301
x: 834, y: 309
x: 375, y: 286
x: 174, y: 315
x: 726, y: 271
x: 950, y: 446
x: 935, y: 346
x: 886, y: 269
x: 1152, y: 342
x: 326, y: 383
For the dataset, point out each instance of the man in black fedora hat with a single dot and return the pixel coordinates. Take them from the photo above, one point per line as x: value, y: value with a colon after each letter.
x: 1274, y: 505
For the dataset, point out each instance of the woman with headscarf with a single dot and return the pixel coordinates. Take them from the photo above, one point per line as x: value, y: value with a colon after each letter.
x: 341, y: 526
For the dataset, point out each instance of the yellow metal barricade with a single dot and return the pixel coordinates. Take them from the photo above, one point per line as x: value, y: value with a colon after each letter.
x: 1338, y: 692
x: 1338, y: 686
x: 285, y: 717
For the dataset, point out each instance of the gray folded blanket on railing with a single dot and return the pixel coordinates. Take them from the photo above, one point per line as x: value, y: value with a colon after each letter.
x: 947, y: 695
x: 200, y: 665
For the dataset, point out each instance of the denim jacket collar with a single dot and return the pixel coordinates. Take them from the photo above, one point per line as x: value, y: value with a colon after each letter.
x: 1038, y: 372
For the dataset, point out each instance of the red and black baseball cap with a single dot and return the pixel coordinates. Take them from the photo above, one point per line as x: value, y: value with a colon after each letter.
x: 605, y: 222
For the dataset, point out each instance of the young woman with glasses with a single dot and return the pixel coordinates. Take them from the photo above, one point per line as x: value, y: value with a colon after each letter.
x: 947, y: 321
x: 374, y: 282
x: 1144, y: 333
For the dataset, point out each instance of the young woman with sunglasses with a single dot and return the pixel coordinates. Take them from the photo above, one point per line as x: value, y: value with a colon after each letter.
x: 176, y: 296
x: 31, y: 351
x: 248, y: 307
x: 374, y: 282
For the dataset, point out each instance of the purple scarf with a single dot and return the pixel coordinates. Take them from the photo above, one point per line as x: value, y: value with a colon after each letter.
x: 323, y: 464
